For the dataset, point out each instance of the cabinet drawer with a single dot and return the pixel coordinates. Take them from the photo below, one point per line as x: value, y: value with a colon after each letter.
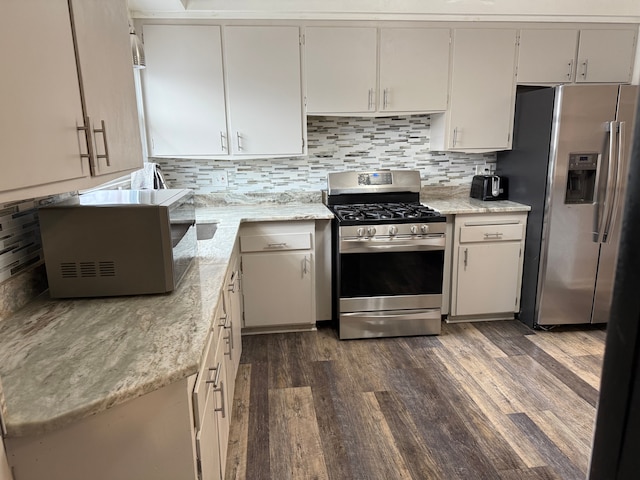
x: 491, y: 233
x: 275, y: 242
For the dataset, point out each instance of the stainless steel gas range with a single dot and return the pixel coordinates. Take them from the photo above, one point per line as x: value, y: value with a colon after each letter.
x: 388, y: 255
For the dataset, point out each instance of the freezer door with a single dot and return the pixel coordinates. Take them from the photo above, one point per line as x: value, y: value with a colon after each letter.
x: 569, y: 258
x: 609, y: 248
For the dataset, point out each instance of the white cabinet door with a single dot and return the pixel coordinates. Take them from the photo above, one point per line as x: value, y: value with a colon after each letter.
x: 234, y: 309
x: 606, y: 55
x: 487, y: 280
x: 207, y: 444
x: 482, y: 89
x: 414, y: 69
x: 106, y: 72
x: 184, y: 90
x: 341, y: 69
x: 220, y: 397
x: 263, y: 73
x: 277, y: 288
x: 40, y: 97
x: 547, y: 56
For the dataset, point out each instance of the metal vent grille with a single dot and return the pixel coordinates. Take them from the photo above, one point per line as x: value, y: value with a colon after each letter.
x: 107, y: 269
x: 68, y: 270
x: 88, y: 269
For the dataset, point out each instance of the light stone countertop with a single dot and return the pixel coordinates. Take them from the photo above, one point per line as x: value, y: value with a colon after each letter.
x: 460, y: 205
x: 63, y: 360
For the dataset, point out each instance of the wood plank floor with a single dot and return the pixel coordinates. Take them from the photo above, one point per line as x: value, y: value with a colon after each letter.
x: 493, y: 400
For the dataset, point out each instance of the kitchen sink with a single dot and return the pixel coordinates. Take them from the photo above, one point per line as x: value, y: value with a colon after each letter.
x: 206, y: 231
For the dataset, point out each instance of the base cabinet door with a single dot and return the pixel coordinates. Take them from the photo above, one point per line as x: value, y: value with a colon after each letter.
x: 487, y: 278
x: 207, y: 444
x: 277, y: 289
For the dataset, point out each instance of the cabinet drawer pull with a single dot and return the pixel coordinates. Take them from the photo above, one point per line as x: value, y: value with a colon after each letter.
x: 223, y: 321
x: 228, y: 342
x: 466, y: 257
x: 216, y: 378
x: 455, y: 136
x: 570, y: 70
x: 370, y: 99
x: 103, y: 131
x: 277, y: 245
x: 385, y: 98
x: 493, y: 235
x: 239, y: 140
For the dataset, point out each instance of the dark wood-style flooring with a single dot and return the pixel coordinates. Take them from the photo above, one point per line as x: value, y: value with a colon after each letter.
x: 492, y: 400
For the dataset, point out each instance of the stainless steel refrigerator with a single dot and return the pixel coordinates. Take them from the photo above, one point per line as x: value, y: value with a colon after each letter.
x: 570, y: 163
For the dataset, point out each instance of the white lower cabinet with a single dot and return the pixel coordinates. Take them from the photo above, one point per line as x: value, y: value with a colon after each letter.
x: 278, y: 274
x: 180, y: 431
x: 487, y: 266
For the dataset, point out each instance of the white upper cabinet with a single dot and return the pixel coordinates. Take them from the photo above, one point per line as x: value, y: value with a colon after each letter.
x: 264, y: 87
x: 340, y: 69
x: 43, y: 152
x: 606, y: 56
x: 199, y: 105
x: 482, y: 93
x: 184, y: 90
x: 108, y: 88
x: 343, y: 65
x: 547, y: 56
x: 550, y: 56
x: 414, y: 69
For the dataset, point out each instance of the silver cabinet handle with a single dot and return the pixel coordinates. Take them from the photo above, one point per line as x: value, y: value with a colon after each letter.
x: 385, y: 98
x: 370, y: 100
x: 228, y: 342
x: 217, y: 376
x: 455, y: 136
x: 222, y: 139
x: 86, y: 128
x: 103, y: 131
x: 585, y: 65
x: 239, y: 140
x: 466, y: 258
x: 570, y: 72
x: 493, y: 235
x: 221, y: 390
x: 277, y: 245
x: 223, y: 320
x: 305, y: 261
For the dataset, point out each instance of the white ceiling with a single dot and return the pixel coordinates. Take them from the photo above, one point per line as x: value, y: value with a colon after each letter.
x: 620, y: 11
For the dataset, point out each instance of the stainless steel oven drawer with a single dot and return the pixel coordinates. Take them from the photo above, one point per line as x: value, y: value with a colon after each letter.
x: 390, y: 323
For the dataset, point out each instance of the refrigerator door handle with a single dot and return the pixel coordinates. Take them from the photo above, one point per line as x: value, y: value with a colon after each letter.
x: 613, y: 209
x: 603, y: 178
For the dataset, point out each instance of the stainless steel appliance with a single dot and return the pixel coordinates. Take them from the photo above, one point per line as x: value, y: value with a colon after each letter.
x: 570, y: 162
x: 388, y: 255
x: 118, y: 242
x: 489, y: 187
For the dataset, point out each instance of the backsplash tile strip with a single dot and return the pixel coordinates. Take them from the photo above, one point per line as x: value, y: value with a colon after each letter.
x: 334, y: 144
x: 21, y: 252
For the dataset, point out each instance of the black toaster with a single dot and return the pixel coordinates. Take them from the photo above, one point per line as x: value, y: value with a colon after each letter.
x: 489, y: 187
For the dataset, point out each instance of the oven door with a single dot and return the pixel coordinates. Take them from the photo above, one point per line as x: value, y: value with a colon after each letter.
x: 390, y: 287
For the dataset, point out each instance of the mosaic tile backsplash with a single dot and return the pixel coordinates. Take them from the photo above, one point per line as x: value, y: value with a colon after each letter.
x: 21, y: 252
x: 334, y: 144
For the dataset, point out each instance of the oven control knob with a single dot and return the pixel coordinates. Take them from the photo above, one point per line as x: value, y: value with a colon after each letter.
x: 393, y: 230
x: 413, y: 229
x: 360, y: 232
x: 424, y: 228
x: 371, y: 231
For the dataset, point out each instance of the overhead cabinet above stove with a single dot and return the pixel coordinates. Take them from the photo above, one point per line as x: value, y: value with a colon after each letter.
x: 377, y: 71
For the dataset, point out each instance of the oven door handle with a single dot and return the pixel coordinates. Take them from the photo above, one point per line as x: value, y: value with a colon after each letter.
x: 396, y: 314
x: 364, y: 246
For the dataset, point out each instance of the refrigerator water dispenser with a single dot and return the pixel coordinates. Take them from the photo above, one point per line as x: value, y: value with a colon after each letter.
x: 581, y: 178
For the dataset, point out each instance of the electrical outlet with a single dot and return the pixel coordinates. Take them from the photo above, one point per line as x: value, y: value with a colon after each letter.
x: 219, y: 179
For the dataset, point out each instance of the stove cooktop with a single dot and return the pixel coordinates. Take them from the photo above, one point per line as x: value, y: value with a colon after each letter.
x: 383, y: 213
